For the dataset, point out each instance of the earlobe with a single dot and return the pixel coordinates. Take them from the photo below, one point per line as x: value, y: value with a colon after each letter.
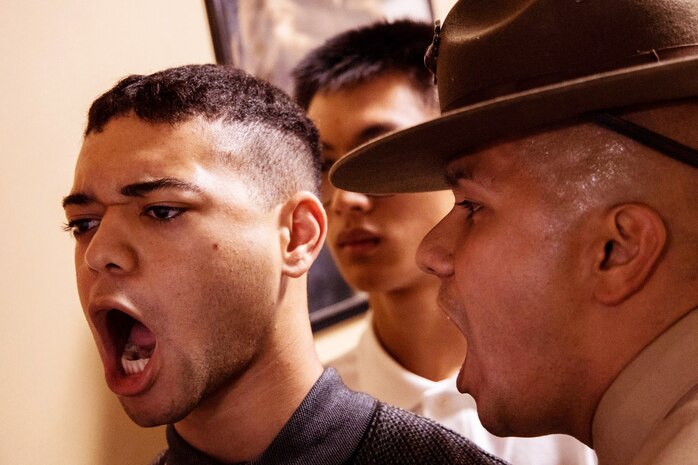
x: 635, y: 238
x: 304, y: 226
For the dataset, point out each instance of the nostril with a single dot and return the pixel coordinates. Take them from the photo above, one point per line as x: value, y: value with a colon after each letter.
x: 353, y: 202
x: 433, y: 260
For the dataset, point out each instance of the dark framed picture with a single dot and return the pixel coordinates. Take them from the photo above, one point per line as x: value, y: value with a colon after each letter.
x: 267, y: 38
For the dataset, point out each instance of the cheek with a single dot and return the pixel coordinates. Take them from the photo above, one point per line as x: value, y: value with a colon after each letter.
x: 512, y: 293
x: 408, y: 223
x: 225, y: 299
x: 492, y: 279
x: 404, y: 242
x: 84, y: 279
x: 333, y: 227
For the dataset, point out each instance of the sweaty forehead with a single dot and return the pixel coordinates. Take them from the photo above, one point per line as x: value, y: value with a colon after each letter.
x: 490, y: 167
x: 552, y: 149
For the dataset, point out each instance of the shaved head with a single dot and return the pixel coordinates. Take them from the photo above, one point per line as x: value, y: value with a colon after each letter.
x: 587, y: 168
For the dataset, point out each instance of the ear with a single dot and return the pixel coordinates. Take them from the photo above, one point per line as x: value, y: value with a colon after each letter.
x: 303, y: 228
x: 634, y: 238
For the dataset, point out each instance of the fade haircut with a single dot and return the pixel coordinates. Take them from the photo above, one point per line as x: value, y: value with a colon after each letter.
x: 358, y: 55
x: 267, y: 136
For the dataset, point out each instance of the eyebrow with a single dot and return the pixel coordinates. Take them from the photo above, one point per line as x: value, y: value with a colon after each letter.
x: 138, y: 189
x: 77, y: 199
x: 459, y: 173
x: 373, y: 131
x: 370, y: 132
x: 142, y: 188
x: 326, y: 146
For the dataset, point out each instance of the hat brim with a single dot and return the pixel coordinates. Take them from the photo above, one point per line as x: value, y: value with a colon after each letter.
x: 415, y: 159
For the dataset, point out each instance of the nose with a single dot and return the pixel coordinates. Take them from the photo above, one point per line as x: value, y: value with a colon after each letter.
x: 345, y: 202
x: 110, y: 249
x: 435, y: 252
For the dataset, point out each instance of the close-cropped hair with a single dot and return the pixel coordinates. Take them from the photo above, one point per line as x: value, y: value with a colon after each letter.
x: 267, y: 135
x: 358, y: 55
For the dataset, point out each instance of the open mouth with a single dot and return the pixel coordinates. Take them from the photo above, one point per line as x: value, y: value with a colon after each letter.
x: 133, y: 341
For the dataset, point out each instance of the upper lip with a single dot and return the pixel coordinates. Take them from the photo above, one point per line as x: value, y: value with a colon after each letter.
x: 442, y: 301
x: 100, y: 306
x: 349, y: 236
x: 98, y: 311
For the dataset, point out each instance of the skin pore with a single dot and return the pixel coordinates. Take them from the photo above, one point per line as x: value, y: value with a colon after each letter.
x: 568, y: 254
x: 374, y: 239
x: 176, y: 239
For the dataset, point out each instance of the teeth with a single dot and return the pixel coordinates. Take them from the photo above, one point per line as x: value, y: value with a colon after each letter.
x: 131, y: 352
x: 132, y: 367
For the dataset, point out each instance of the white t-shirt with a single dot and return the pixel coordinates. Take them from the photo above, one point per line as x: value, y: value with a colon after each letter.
x: 368, y: 368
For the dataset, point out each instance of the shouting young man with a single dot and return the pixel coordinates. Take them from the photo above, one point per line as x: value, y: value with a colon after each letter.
x: 195, y: 214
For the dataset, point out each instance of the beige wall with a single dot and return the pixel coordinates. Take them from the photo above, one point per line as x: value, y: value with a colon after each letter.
x: 57, y: 56
x: 441, y: 8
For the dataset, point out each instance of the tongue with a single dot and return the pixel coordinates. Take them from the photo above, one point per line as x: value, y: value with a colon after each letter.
x: 141, y: 336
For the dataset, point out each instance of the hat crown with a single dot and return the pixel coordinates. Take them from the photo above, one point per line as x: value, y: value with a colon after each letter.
x: 492, y: 48
x: 504, y: 67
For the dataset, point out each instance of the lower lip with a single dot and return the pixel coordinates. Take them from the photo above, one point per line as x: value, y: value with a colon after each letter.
x: 130, y: 385
x: 360, y: 247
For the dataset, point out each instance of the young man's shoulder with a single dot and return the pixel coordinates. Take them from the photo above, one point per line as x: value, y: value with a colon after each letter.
x: 335, y: 425
x: 396, y: 436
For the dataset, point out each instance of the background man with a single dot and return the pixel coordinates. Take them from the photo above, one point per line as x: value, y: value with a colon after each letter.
x: 570, y: 259
x: 359, y: 85
x: 192, y: 244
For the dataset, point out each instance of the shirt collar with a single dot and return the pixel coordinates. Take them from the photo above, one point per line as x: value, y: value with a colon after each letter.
x: 327, y: 427
x: 646, y: 391
x: 379, y: 374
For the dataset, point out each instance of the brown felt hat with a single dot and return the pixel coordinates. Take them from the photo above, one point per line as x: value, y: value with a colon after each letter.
x: 505, y: 66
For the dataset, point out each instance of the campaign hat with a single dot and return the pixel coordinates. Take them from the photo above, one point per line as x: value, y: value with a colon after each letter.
x: 503, y: 67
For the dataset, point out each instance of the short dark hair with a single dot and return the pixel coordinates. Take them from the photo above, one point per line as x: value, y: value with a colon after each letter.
x: 277, y: 138
x: 360, y: 54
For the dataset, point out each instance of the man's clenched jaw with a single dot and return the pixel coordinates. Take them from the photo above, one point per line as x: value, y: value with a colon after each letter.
x: 174, y: 260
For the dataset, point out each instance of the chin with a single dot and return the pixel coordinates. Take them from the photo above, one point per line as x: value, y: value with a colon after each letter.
x: 148, y: 414
x: 364, y: 282
x: 507, y: 419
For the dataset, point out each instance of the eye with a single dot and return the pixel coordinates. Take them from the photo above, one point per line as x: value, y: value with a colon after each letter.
x: 163, y: 212
x: 326, y: 164
x: 78, y: 227
x: 470, y: 207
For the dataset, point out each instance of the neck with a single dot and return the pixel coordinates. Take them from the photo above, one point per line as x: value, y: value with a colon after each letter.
x: 416, y: 333
x: 238, y: 423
